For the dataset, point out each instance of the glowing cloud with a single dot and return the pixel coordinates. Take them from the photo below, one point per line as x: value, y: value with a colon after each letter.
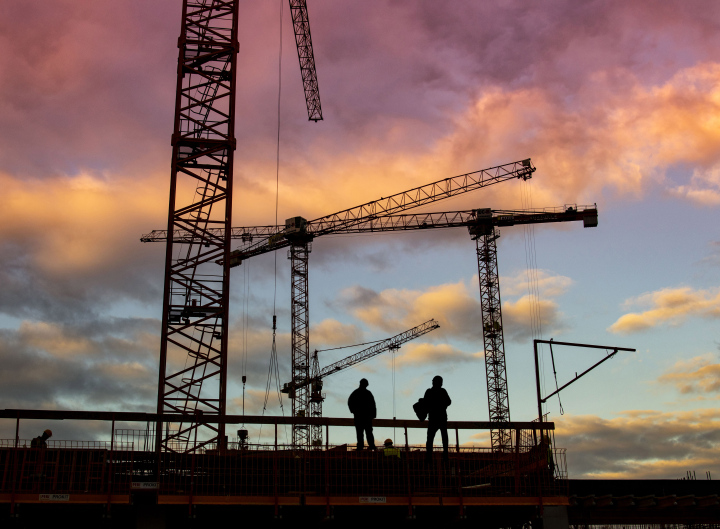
x: 669, y: 305
x: 429, y: 354
x: 697, y: 375
x: 456, y: 307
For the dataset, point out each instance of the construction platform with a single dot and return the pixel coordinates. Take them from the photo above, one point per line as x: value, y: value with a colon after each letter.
x: 276, y: 478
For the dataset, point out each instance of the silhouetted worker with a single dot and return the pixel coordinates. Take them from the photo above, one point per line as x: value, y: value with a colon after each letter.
x: 41, y: 440
x: 437, y: 400
x: 362, y: 405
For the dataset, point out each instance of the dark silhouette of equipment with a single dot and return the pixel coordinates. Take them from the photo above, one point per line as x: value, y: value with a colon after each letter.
x: 299, y: 233
x: 542, y: 400
x: 193, y: 348
x: 315, y: 381
x: 483, y: 226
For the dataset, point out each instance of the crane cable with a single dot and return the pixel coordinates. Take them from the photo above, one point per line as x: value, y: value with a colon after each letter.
x: 273, y: 368
x: 533, y: 283
x: 347, y: 346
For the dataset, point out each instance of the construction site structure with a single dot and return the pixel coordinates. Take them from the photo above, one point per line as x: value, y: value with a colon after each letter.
x: 483, y: 225
x: 315, y: 380
x: 194, y: 336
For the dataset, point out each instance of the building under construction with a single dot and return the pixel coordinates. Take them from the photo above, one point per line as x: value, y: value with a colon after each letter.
x: 192, y: 461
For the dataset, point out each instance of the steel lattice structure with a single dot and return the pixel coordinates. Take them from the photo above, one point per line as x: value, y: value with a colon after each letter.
x: 316, y: 400
x: 300, y: 340
x: 412, y: 221
x: 193, y: 350
x: 493, y: 338
x: 301, y: 27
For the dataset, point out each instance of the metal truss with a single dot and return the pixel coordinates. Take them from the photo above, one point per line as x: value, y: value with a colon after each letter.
x: 300, y: 347
x: 419, y: 196
x: 411, y: 221
x: 301, y: 26
x: 498, y: 399
x: 316, y: 402
x: 193, y: 350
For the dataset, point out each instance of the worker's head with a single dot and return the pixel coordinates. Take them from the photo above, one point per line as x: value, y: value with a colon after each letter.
x: 47, y: 434
x: 388, y: 443
x: 364, y: 383
x: 437, y: 381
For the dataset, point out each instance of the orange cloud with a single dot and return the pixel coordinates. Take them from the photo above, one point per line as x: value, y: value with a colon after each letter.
x: 427, y: 354
x: 620, y: 134
x: 548, y: 284
x: 671, y: 305
x: 697, y: 375
x: 82, y: 223
x: 455, y: 306
x: 332, y: 332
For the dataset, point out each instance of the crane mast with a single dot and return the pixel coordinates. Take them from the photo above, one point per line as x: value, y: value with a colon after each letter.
x: 493, y: 337
x: 194, y: 330
x: 195, y: 302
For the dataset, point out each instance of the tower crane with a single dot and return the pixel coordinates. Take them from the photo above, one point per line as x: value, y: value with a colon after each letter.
x: 483, y: 226
x: 297, y: 236
x: 193, y: 348
x: 315, y: 381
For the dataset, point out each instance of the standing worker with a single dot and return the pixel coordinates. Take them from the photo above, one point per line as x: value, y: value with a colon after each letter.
x: 437, y: 401
x: 362, y: 405
x: 41, y: 440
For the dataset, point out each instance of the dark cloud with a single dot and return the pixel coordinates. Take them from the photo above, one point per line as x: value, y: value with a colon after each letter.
x: 640, y: 444
x: 74, y: 370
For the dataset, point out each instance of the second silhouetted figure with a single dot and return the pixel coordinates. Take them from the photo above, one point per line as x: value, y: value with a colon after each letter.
x: 437, y: 401
x: 362, y: 405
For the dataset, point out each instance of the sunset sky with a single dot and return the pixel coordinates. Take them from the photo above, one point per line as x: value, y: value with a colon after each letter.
x: 617, y: 103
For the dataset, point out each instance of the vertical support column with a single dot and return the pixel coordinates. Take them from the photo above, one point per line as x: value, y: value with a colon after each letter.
x: 194, y: 335
x: 300, y: 353
x: 495, y: 371
x: 316, y: 402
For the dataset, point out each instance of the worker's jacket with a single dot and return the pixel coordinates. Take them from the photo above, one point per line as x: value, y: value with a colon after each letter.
x: 391, y: 451
x: 437, y: 401
x: 362, y: 404
x: 38, y: 442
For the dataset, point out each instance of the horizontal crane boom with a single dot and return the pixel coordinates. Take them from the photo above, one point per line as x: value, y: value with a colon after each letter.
x: 418, y: 221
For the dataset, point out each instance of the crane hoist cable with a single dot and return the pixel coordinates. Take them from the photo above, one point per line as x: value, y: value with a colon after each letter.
x: 273, y: 368
x: 531, y: 272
